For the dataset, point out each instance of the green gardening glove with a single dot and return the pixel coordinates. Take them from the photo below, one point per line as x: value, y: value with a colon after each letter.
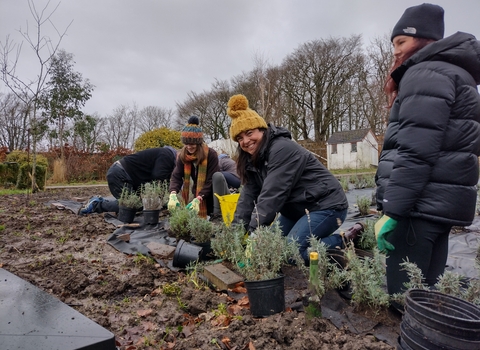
x: 173, y: 201
x: 194, y: 205
x: 383, y: 228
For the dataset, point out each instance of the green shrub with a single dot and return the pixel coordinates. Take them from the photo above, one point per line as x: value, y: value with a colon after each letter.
x: 367, y: 291
x: 200, y: 229
x: 267, y: 250
x: 363, y: 204
x: 158, y: 138
x: 179, y: 219
x: 24, y: 179
x: 367, y: 240
x: 22, y: 157
x: 228, y: 240
x: 345, y: 182
x: 8, y: 174
x: 129, y: 199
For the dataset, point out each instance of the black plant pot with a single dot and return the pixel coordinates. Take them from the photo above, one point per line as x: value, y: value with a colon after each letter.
x: 151, y: 217
x: 441, y: 321
x: 186, y: 253
x: 207, y: 251
x: 266, y: 297
x: 126, y: 214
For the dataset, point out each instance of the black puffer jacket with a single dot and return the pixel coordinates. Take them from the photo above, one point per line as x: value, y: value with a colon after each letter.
x: 289, y: 181
x: 429, y: 164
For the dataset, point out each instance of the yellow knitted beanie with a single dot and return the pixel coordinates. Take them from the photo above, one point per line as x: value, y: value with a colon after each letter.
x: 243, y: 118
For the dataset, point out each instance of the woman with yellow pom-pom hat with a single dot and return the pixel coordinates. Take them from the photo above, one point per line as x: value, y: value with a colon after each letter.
x: 280, y: 176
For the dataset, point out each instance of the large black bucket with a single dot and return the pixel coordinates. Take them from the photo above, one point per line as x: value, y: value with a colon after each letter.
x: 437, y: 320
x: 126, y: 214
x: 151, y: 217
x: 266, y: 297
x: 402, y: 345
x: 186, y: 253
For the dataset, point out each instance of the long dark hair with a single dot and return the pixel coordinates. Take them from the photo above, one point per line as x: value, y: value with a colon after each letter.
x: 243, y: 158
x: 391, y: 87
x: 199, y: 153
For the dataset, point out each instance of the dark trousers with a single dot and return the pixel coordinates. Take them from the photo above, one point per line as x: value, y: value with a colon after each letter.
x: 422, y: 242
x: 117, y: 178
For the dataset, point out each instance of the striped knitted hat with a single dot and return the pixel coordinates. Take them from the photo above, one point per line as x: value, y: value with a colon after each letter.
x: 192, y: 132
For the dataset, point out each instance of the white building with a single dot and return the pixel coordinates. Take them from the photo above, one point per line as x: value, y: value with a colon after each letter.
x: 353, y: 149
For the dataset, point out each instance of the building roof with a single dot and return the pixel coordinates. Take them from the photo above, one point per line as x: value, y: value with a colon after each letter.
x: 348, y: 136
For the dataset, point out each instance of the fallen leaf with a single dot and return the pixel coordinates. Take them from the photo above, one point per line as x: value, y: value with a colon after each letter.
x: 143, y: 313
x: 240, y: 290
x: 156, y: 292
x: 221, y: 321
x: 226, y: 342
x: 149, y: 326
x: 239, y: 284
x: 244, y: 302
x: 234, y: 309
x: 188, y: 330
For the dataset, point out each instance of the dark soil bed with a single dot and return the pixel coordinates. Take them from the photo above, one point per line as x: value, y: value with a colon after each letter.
x: 67, y: 256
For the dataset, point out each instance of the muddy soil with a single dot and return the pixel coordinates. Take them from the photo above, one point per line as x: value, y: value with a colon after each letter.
x: 67, y: 256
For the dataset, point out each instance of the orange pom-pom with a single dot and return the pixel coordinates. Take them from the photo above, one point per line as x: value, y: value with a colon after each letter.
x: 238, y: 103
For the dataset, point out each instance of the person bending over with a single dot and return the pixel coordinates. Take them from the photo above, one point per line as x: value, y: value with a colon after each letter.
x: 131, y: 172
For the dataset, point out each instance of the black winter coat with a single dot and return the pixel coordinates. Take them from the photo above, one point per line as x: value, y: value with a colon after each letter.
x: 429, y: 163
x: 153, y: 164
x: 289, y: 180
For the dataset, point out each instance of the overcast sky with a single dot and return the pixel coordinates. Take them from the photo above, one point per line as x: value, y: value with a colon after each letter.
x: 154, y: 52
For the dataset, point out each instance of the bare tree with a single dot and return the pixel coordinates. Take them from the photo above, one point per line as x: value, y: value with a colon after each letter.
x: 380, y: 57
x: 120, y: 127
x: 153, y: 117
x: 211, y: 109
x: 316, y: 80
x: 14, y: 117
x: 29, y: 90
x: 266, y: 80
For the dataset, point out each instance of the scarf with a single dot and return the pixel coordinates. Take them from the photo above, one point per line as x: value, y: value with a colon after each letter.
x: 201, y: 177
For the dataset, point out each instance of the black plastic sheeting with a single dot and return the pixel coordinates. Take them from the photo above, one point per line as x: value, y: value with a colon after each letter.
x: 461, y: 255
x: 139, y: 236
x: 32, y: 319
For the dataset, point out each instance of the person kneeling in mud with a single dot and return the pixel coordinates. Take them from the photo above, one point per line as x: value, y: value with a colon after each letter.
x: 280, y: 176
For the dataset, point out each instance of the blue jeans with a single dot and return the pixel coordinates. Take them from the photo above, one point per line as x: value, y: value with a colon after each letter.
x: 322, y: 224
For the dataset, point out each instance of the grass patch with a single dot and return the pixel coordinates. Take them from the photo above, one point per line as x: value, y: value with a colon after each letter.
x: 87, y: 183
x: 353, y: 171
x: 10, y: 191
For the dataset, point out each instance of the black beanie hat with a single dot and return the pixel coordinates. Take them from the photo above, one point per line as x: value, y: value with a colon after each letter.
x: 192, y: 133
x: 422, y: 21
